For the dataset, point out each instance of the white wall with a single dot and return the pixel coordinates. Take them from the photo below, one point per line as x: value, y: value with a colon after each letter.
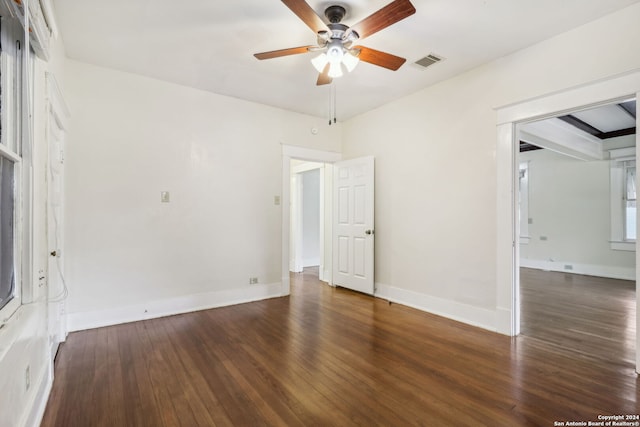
x: 569, y: 207
x: 129, y: 256
x: 436, y: 166
x: 24, y: 339
x: 311, y: 218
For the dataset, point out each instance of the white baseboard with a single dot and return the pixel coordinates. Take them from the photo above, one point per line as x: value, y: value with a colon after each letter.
x: 612, y: 272
x: 311, y: 262
x: 184, y: 304
x: 34, y: 417
x: 503, y: 322
x: 460, y: 312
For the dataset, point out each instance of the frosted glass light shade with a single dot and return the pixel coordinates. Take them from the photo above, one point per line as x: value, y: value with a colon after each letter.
x: 335, y: 70
x: 320, y: 61
x: 350, y: 61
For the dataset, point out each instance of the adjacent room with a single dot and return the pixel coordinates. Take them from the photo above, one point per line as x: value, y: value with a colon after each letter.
x: 303, y: 212
x: 577, y: 223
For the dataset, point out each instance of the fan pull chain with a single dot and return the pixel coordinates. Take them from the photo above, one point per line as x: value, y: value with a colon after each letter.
x: 332, y: 104
x: 335, y: 102
x: 330, y: 101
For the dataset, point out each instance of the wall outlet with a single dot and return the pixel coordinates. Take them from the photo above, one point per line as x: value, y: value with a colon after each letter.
x: 253, y: 280
x: 27, y: 378
x: 568, y: 267
x: 543, y: 237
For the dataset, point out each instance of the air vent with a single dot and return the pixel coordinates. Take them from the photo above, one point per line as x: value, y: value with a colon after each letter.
x: 428, y: 60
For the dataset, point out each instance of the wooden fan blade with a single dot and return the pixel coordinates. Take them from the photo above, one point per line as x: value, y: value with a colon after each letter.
x: 283, y: 52
x: 388, y: 15
x: 307, y: 14
x: 382, y: 59
x: 323, y: 77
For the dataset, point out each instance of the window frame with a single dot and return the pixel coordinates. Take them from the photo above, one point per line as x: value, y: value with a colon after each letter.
x: 12, y: 116
x: 523, y: 202
x: 620, y: 158
x: 627, y: 165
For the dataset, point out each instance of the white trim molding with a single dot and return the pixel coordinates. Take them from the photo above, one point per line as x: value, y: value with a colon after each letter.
x: 460, y: 312
x: 39, y: 405
x: 604, y: 91
x: 168, y: 307
x: 56, y: 101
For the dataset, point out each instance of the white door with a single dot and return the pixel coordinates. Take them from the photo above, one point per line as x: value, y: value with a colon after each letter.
x: 353, y: 234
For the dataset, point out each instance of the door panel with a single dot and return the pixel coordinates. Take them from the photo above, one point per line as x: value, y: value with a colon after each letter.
x: 353, y: 224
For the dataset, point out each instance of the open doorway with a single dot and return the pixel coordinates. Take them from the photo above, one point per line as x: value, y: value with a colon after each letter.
x: 508, y: 119
x: 292, y: 157
x: 577, y: 230
x: 310, y: 213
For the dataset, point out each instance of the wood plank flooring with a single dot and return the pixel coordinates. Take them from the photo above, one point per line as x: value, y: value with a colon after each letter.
x: 328, y: 357
x: 591, y: 317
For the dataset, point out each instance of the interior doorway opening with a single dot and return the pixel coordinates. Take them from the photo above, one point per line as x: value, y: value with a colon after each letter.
x: 290, y: 153
x: 576, y: 221
x: 508, y: 119
x: 310, y: 217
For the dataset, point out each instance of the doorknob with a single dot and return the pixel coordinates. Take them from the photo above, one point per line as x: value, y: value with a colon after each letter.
x: 369, y: 232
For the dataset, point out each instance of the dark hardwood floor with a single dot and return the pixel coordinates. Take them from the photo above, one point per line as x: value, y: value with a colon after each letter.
x: 331, y: 357
x: 590, y: 317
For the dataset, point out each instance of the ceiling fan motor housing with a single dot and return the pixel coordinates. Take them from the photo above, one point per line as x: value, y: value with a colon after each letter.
x: 335, y: 14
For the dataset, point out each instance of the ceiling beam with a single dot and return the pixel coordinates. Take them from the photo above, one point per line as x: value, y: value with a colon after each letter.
x: 525, y: 146
x: 616, y: 133
x: 583, y: 126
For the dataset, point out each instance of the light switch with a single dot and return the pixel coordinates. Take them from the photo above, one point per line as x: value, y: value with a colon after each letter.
x: 276, y: 200
x: 165, y: 197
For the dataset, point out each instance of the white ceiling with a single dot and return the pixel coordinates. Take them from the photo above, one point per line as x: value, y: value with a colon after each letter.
x: 607, y: 118
x: 209, y: 44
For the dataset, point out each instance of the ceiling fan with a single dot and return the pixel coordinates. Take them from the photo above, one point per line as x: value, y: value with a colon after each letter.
x: 336, y: 41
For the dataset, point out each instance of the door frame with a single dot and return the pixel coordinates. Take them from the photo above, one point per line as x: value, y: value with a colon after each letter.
x: 296, y: 243
x: 290, y: 152
x: 509, y: 117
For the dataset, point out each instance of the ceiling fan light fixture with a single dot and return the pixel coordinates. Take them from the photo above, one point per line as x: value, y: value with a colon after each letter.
x: 320, y: 61
x: 350, y: 61
x: 335, y: 70
x: 335, y: 52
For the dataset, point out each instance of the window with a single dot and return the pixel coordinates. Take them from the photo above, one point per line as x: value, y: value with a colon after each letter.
x: 523, y: 202
x: 11, y: 161
x: 7, y: 231
x: 623, y: 199
x: 630, y: 201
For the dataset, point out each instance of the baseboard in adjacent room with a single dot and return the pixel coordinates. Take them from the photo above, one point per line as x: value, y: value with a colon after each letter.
x: 311, y: 262
x: 611, y: 272
x: 167, y: 307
